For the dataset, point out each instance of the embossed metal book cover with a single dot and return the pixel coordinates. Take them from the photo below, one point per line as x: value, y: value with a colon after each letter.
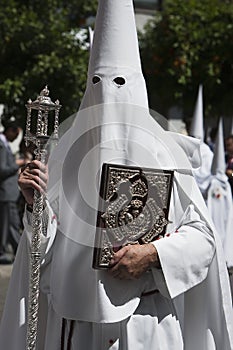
x: 133, y: 208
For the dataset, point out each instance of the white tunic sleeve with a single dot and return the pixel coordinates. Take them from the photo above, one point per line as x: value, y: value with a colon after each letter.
x: 186, y: 253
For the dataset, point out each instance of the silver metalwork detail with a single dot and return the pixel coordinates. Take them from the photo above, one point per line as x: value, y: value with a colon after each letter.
x: 42, y: 107
x: 135, y: 210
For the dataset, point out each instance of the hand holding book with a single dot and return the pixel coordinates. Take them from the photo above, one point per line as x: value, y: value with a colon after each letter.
x: 132, y: 261
x: 133, y: 209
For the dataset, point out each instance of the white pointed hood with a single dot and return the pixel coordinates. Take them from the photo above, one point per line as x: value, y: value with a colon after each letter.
x: 114, y: 72
x: 197, y: 124
x: 116, y: 43
x: 219, y: 164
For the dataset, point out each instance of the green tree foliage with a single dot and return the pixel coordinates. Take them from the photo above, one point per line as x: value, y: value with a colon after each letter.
x: 39, y: 46
x: 190, y: 43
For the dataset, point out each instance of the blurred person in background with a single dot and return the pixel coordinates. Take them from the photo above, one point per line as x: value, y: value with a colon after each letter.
x: 9, y: 191
x: 25, y: 153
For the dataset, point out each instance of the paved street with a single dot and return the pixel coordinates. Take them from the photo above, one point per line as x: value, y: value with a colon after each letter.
x: 5, y: 272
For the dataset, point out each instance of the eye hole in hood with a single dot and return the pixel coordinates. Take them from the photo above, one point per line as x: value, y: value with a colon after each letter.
x: 119, y: 81
x: 96, y: 79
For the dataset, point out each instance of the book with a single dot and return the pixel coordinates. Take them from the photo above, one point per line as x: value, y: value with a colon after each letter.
x: 133, y: 209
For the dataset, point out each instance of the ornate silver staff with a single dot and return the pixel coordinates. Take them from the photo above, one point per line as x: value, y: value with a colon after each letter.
x: 41, y: 108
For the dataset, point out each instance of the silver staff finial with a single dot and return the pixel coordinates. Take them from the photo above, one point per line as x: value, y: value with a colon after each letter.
x: 40, y: 111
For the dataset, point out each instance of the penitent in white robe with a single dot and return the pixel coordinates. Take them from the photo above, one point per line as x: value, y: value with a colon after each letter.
x: 219, y: 203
